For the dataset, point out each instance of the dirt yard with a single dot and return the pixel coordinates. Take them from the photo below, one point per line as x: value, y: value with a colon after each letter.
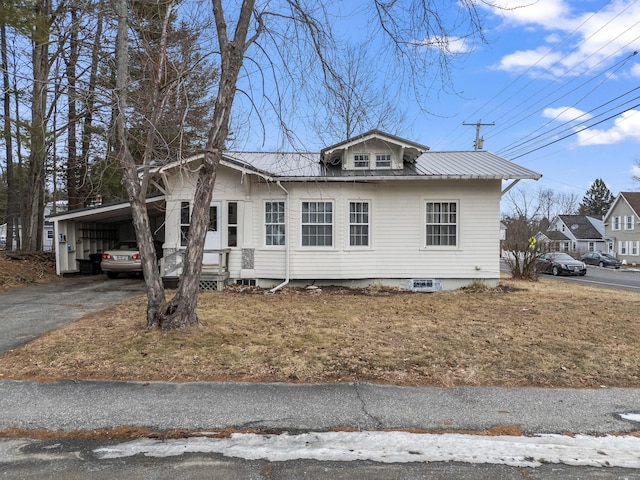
x: 545, y: 333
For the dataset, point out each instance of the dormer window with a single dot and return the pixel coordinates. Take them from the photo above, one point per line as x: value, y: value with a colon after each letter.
x: 361, y: 160
x: 383, y: 160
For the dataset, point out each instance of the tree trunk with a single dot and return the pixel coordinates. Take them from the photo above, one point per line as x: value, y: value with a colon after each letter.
x: 6, y: 99
x: 89, y: 103
x: 136, y: 187
x: 73, y: 182
x: 180, y: 312
x: 34, y: 216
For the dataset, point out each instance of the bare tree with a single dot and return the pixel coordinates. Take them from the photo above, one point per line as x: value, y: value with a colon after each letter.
x: 523, y: 222
x: 355, y: 101
x: 290, y: 41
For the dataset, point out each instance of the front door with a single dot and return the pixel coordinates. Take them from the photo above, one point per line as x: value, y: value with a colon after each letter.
x: 213, y: 240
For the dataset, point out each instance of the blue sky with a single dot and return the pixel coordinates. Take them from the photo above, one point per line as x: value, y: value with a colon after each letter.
x: 550, y: 69
x: 558, y: 78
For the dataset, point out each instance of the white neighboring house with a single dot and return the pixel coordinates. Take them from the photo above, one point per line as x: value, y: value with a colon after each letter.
x: 575, y: 234
x: 376, y: 209
x: 622, y: 227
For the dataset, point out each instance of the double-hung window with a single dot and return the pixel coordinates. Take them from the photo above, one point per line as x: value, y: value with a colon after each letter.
x: 616, y: 223
x: 359, y: 224
x: 442, y: 224
x: 361, y: 160
x: 383, y: 160
x: 232, y: 224
x: 185, y: 221
x: 317, y: 224
x: 623, y: 248
x: 628, y: 222
x: 635, y: 248
x: 274, y: 223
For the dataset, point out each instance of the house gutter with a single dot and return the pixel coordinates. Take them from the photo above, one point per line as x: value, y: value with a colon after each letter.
x: 286, y: 241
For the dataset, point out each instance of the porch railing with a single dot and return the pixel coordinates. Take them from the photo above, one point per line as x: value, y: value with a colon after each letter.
x: 172, y: 263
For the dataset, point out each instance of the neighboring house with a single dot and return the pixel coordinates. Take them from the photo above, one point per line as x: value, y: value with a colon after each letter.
x: 574, y: 234
x: 622, y: 229
x: 47, y: 230
x: 376, y: 209
x: 48, y: 236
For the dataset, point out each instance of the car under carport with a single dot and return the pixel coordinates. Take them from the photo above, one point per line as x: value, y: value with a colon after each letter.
x: 81, y: 236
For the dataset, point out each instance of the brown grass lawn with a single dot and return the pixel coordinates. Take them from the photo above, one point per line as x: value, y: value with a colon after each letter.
x: 548, y: 333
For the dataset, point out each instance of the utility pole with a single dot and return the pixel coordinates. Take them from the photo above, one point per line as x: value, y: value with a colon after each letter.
x: 479, y: 141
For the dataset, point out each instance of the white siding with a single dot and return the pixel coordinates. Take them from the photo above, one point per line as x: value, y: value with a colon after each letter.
x: 397, y: 215
x: 397, y: 232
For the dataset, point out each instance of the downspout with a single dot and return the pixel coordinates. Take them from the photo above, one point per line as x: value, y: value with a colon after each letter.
x: 286, y: 240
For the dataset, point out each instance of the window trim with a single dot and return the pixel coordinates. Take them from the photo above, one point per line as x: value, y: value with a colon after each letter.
x: 350, y: 245
x: 332, y: 225
x: 183, y: 228
x: 231, y: 225
x: 425, y: 225
x: 266, y: 224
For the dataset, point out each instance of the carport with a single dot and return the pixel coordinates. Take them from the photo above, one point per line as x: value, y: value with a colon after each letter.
x: 81, y: 235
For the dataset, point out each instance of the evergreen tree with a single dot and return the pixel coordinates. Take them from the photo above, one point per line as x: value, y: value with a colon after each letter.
x: 597, y: 200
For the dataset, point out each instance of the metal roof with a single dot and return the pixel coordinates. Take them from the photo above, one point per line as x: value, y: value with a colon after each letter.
x: 429, y: 165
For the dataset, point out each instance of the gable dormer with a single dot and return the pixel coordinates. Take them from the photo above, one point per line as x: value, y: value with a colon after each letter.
x: 374, y: 150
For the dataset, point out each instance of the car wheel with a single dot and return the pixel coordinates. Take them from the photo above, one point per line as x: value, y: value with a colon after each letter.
x: 112, y: 275
x: 582, y: 274
x: 555, y: 271
x: 601, y: 264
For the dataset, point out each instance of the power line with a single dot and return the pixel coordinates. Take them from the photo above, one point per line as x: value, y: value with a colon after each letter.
x: 569, y: 124
x: 577, y: 131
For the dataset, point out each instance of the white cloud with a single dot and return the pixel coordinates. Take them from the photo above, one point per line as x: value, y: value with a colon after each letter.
x: 526, y: 12
x: 625, y: 128
x: 587, y: 39
x: 521, y: 60
x: 566, y: 114
x: 635, y: 70
x: 635, y: 171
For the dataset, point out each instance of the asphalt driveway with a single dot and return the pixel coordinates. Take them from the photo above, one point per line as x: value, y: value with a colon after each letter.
x: 27, y: 313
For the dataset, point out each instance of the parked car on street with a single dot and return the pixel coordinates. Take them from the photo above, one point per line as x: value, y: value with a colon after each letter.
x: 124, y: 257
x: 601, y: 259
x: 559, y: 263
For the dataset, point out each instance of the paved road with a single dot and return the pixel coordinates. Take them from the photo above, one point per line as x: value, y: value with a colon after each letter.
x: 27, y: 313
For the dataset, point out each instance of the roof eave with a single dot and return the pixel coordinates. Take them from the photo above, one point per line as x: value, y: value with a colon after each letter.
x: 403, y: 178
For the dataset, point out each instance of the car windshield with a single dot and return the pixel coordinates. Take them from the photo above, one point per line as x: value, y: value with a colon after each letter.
x: 610, y: 257
x: 562, y: 257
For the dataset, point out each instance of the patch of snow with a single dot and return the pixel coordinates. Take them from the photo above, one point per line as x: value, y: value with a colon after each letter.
x: 632, y: 417
x: 400, y: 447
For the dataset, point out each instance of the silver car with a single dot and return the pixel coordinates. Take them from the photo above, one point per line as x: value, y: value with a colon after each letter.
x: 124, y: 257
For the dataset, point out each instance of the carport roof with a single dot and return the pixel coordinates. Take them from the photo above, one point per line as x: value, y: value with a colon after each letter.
x: 113, y: 212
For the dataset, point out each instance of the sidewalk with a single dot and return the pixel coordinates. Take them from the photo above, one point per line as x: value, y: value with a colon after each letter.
x: 88, y: 405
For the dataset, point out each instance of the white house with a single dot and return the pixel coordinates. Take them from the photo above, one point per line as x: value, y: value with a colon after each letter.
x: 622, y: 227
x: 577, y: 234
x: 376, y: 209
